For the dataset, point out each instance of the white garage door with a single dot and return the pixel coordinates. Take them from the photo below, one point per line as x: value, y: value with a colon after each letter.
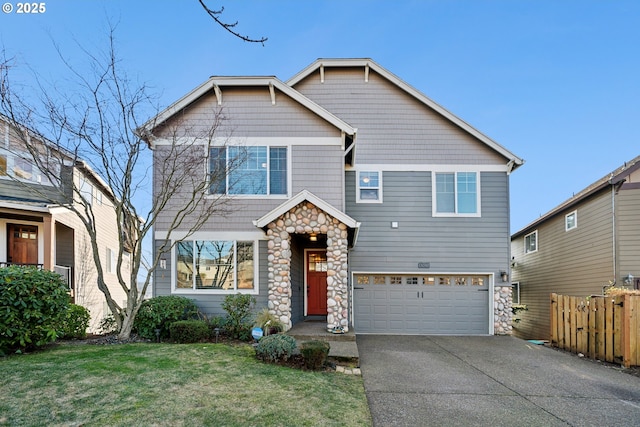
x: 410, y: 304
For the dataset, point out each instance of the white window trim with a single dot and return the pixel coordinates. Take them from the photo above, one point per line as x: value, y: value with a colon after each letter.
x: 358, y: 199
x: 251, y: 196
x: 182, y: 291
x: 566, y: 224
x: 525, y: 242
x: 515, y: 293
x: 434, y: 212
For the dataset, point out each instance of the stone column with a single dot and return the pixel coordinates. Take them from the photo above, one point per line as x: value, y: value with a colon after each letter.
x: 279, y: 268
x: 502, y: 313
x: 337, y: 276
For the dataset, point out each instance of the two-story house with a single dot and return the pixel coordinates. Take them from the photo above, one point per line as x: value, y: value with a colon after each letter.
x: 36, y: 231
x: 358, y: 200
x: 579, y: 248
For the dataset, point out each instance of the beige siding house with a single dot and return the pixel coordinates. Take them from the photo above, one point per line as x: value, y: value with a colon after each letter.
x: 579, y: 248
x: 34, y: 231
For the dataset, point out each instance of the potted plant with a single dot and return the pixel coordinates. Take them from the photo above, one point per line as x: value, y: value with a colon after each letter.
x: 269, y: 323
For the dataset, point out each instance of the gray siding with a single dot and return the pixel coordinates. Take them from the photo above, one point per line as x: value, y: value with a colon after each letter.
x: 393, y: 127
x: 248, y: 112
x: 578, y: 262
x: 628, y: 232
x: 318, y: 169
x: 449, y: 244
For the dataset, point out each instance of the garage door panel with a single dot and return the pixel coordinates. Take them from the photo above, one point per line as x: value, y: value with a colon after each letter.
x: 390, y: 306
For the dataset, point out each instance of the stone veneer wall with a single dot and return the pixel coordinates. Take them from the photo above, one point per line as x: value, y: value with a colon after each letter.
x: 306, y: 218
x: 502, y: 313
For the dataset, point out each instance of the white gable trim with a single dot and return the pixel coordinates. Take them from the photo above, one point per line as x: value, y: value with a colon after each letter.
x: 368, y: 64
x: 302, y: 196
x: 218, y: 84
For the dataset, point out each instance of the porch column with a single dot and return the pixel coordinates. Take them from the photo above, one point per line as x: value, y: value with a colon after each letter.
x: 279, y: 268
x: 337, y: 276
x: 49, y: 239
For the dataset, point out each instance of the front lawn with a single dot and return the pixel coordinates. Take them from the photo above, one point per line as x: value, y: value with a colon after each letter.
x: 171, y: 385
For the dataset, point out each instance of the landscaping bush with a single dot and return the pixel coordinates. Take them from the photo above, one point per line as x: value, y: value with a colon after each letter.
x: 239, y: 309
x: 108, y: 325
x: 315, y: 353
x: 161, y: 312
x: 75, y: 322
x: 276, y: 348
x: 189, y: 331
x: 32, y: 303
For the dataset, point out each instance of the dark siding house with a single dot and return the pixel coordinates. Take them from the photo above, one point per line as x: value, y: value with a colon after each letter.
x: 579, y: 248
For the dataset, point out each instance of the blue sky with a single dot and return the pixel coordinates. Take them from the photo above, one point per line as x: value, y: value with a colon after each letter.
x: 556, y: 82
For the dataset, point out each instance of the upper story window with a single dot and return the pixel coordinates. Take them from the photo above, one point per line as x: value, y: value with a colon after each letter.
x: 86, y: 191
x: 531, y: 242
x: 20, y: 168
x: 571, y: 221
x: 369, y: 187
x: 258, y: 170
x: 456, y: 194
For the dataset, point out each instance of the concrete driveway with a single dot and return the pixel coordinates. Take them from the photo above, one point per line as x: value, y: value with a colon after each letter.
x: 490, y: 381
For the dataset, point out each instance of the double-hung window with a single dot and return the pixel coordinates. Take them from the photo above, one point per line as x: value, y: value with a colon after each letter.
x: 571, y: 221
x: 456, y: 194
x: 369, y: 187
x: 531, y: 242
x: 257, y: 170
x: 216, y: 265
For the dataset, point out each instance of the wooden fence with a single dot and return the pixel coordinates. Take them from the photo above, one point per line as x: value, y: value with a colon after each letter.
x: 603, y: 328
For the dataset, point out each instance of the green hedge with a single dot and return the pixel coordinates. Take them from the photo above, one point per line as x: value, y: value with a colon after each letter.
x: 189, y: 331
x: 161, y: 312
x: 32, y: 305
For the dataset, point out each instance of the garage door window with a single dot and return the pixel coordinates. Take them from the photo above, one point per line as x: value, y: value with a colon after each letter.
x: 381, y: 279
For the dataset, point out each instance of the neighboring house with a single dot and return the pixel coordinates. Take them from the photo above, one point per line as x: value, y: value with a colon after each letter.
x: 33, y: 231
x: 584, y: 245
x: 361, y: 202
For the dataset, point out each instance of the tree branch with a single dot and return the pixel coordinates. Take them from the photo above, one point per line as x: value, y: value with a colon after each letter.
x: 215, y: 14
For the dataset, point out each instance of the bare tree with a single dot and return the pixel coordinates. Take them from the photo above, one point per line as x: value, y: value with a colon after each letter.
x: 94, y: 123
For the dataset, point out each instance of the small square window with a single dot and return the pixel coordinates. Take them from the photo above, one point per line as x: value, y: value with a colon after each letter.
x: 531, y: 242
x: 369, y: 187
x: 571, y: 221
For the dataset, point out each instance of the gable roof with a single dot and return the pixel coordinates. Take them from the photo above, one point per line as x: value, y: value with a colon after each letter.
x: 368, y: 64
x: 215, y: 83
x: 308, y: 196
x: 615, y: 178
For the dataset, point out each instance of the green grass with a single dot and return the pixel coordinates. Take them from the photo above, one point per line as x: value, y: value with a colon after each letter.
x: 171, y: 385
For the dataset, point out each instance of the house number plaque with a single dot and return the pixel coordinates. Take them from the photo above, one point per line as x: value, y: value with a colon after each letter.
x: 424, y: 265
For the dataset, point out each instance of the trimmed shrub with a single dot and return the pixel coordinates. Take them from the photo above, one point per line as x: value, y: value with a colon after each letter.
x: 160, y: 313
x: 75, y: 322
x: 189, y: 331
x: 108, y: 325
x: 239, y: 309
x: 276, y: 348
x: 315, y: 353
x: 32, y: 303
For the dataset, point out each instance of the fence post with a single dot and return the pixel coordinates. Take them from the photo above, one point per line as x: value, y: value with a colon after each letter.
x: 626, y: 331
x: 554, y: 319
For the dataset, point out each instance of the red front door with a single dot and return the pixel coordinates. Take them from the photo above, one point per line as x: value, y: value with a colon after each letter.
x: 316, y: 283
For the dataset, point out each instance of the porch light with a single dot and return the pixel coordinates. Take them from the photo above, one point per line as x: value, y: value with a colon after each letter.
x: 163, y: 263
x: 313, y: 237
x: 504, y: 275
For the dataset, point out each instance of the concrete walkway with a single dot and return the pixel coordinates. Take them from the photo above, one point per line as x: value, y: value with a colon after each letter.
x: 490, y: 381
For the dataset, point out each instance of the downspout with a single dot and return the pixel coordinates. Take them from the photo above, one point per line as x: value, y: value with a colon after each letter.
x: 614, y: 189
x: 613, y: 228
